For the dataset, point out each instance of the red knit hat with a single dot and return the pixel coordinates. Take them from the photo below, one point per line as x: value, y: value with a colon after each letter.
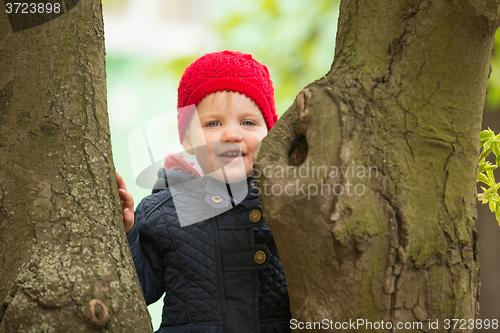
x: 226, y: 70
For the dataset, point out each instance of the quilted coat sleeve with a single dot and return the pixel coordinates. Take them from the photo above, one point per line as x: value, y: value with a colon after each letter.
x: 148, y: 263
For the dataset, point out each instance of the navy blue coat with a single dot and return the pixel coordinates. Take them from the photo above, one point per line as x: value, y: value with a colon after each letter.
x: 220, y: 269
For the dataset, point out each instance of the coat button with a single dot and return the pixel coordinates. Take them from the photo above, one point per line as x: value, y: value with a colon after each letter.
x: 255, y: 215
x: 216, y: 199
x: 259, y: 257
x: 252, y: 184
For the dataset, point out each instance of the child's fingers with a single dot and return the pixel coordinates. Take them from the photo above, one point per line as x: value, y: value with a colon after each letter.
x: 120, y: 182
x: 122, y: 194
x: 127, y: 203
x: 128, y: 220
x: 126, y: 199
x: 128, y: 216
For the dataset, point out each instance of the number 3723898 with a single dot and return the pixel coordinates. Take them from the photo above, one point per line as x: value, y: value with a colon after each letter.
x: 32, y: 8
x: 470, y: 324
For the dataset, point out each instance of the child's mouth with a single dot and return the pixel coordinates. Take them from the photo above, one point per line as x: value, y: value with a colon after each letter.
x: 232, y: 156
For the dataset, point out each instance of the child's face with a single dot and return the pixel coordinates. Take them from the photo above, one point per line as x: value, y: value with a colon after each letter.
x: 225, y: 121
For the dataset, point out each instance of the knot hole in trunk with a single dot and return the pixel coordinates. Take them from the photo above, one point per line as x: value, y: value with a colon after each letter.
x: 298, y: 151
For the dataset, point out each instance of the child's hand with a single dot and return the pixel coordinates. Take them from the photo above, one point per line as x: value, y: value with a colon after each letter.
x: 127, y: 204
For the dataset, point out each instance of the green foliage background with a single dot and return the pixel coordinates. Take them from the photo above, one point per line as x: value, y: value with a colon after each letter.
x: 294, y: 39
x: 493, y: 95
x: 489, y: 143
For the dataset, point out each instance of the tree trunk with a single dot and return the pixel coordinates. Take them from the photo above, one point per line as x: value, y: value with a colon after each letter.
x: 368, y: 180
x: 65, y: 264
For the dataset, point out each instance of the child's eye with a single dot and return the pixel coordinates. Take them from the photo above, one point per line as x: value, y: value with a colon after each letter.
x: 247, y: 121
x: 211, y: 124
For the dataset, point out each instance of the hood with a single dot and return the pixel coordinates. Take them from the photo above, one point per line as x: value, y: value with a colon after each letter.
x: 169, y: 177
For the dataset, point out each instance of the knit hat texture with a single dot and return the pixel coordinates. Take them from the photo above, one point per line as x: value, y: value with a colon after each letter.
x: 226, y: 70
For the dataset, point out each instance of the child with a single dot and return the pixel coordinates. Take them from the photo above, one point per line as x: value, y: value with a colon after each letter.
x: 221, y: 271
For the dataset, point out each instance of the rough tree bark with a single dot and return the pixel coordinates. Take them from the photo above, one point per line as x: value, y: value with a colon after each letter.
x: 65, y: 265
x: 404, y: 96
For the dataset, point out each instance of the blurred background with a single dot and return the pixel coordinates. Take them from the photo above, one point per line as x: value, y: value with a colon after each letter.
x: 149, y: 43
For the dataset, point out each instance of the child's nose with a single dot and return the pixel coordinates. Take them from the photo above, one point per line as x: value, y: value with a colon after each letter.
x: 231, y: 133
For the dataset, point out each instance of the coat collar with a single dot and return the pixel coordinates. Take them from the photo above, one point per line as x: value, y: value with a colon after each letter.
x: 203, y: 186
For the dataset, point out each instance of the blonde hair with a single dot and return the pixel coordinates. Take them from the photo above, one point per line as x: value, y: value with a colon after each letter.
x: 226, y: 96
